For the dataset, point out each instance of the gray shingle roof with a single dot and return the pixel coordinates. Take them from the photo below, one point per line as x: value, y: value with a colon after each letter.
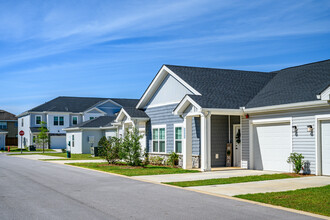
x: 4, y: 115
x: 101, y: 121
x: 78, y: 104
x: 222, y: 88
x: 135, y: 113
x: 294, y: 84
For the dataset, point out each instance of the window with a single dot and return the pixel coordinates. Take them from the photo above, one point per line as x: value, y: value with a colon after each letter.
x: 178, y: 139
x: 90, y: 118
x: 74, y: 120
x: 61, y: 120
x: 3, y: 125
x: 55, y: 120
x: 16, y: 124
x: 72, y: 140
x: 22, y: 122
x: 38, y: 119
x: 158, y: 140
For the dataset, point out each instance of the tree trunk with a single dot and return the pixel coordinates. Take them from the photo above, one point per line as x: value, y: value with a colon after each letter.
x: 43, y: 147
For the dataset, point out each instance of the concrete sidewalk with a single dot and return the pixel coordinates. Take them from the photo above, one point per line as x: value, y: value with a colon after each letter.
x: 265, y: 186
x: 202, y: 175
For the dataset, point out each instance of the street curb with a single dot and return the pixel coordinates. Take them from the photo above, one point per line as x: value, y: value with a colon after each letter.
x: 212, y: 194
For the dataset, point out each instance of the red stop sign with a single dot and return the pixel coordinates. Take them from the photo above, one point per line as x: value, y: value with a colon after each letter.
x: 21, y: 133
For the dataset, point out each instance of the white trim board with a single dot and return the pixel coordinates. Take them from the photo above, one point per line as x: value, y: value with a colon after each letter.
x: 318, y: 119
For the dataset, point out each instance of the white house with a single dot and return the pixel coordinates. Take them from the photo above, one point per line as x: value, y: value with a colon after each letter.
x: 63, y: 112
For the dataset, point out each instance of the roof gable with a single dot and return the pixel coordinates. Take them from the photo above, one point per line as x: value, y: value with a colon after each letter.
x: 4, y: 115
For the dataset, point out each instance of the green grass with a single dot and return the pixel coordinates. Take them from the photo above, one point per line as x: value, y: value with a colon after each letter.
x: 314, y: 200
x: 231, y: 180
x: 16, y: 149
x: 133, y: 171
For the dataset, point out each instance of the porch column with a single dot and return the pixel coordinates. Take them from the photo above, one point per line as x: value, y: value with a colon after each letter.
x: 205, y: 142
x: 187, y: 147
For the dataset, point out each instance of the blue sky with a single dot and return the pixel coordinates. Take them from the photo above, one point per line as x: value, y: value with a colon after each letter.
x: 115, y: 48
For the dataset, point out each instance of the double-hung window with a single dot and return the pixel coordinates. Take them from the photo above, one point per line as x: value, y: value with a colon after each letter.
x: 55, y: 120
x: 38, y: 119
x: 91, y: 118
x: 74, y: 120
x: 72, y: 140
x: 3, y: 125
x: 158, y: 139
x: 178, y: 130
x: 59, y: 120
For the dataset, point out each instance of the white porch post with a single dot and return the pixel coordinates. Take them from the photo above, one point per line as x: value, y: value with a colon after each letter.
x: 187, y: 147
x: 205, y: 142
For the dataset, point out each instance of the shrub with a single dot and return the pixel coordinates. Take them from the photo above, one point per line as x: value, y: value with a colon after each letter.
x: 156, y: 160
x: 146, y: 160
x: 130, y: 150
x: 63, y: 150
x: 173, y: 159
x: 297, y: 161
x: 110, y: 149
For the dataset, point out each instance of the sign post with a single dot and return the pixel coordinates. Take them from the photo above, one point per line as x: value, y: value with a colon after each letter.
x: 21, y: 133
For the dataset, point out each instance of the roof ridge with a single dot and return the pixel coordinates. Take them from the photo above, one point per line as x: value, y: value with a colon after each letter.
x: 215, y: 68
x: 306, y: 64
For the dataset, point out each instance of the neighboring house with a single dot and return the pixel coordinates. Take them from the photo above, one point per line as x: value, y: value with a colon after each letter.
x: 82, y: 137
x: 3, y: 139
x: 8, y: 122
x: 63, y: 112
x: 196, y: 112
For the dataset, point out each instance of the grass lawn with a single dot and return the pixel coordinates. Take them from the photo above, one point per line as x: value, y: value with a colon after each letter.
x: 230, y: 180
x: 16, y: 149
x: 314, y: 200
x: 133, y: 171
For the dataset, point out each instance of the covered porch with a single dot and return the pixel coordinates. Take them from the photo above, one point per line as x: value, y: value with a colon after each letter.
x: 220, y: 136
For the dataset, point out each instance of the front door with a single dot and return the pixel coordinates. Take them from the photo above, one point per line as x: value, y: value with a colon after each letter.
x: 237, y: 145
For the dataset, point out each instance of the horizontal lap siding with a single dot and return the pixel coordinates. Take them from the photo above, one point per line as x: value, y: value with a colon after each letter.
x: 163, y: 116
x: 303, y: 143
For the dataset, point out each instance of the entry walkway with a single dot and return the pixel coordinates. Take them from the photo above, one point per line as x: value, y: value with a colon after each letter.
x: 265, y: 186
x: 202, y: 175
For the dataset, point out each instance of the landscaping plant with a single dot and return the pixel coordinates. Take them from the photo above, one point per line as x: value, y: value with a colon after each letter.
x: 42, y: 137
x: 130, y: 150
x: 297, y: 161
x: 110, y: 149
x: 173, y: 159
x: 156, y: 160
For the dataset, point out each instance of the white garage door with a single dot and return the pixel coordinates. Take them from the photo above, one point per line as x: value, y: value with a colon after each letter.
x: 325, y: 146
x: 272, y: 147
x: 57, y: 142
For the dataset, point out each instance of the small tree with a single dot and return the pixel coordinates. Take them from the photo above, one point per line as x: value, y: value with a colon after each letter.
x: 131, y: 148
x: 42, y: 137
x: 297, y: 161
x: 110, y: 149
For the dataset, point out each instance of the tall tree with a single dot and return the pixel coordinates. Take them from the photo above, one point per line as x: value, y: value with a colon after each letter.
x: 42, y: 137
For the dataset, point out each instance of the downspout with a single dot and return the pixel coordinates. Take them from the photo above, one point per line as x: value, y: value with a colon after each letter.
x: 229, y: 133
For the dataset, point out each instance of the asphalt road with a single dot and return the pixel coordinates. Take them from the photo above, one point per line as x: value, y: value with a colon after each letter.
x: 41, y: 190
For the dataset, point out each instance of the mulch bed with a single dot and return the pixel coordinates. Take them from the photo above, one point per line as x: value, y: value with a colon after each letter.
x: 299, y: 175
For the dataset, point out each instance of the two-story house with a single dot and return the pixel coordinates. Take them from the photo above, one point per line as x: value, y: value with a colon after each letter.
x: 8, y: 123
x: 63, y: 112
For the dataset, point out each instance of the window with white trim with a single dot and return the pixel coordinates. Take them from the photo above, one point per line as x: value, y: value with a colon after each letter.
x: 178, y: 139
x: 55, y: 120
x: 74, y: 120
x: 22, y: 122
x: 61, y: 120
x: 58, y: 120
x: 158, y: 139
x: 38, y: 119
x: 90, y: 118
x: 72, y: 140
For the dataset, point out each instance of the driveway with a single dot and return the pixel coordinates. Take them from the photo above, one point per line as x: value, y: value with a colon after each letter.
x: 33, y: 189
x: 203, y: 175
x: 265, y: 186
